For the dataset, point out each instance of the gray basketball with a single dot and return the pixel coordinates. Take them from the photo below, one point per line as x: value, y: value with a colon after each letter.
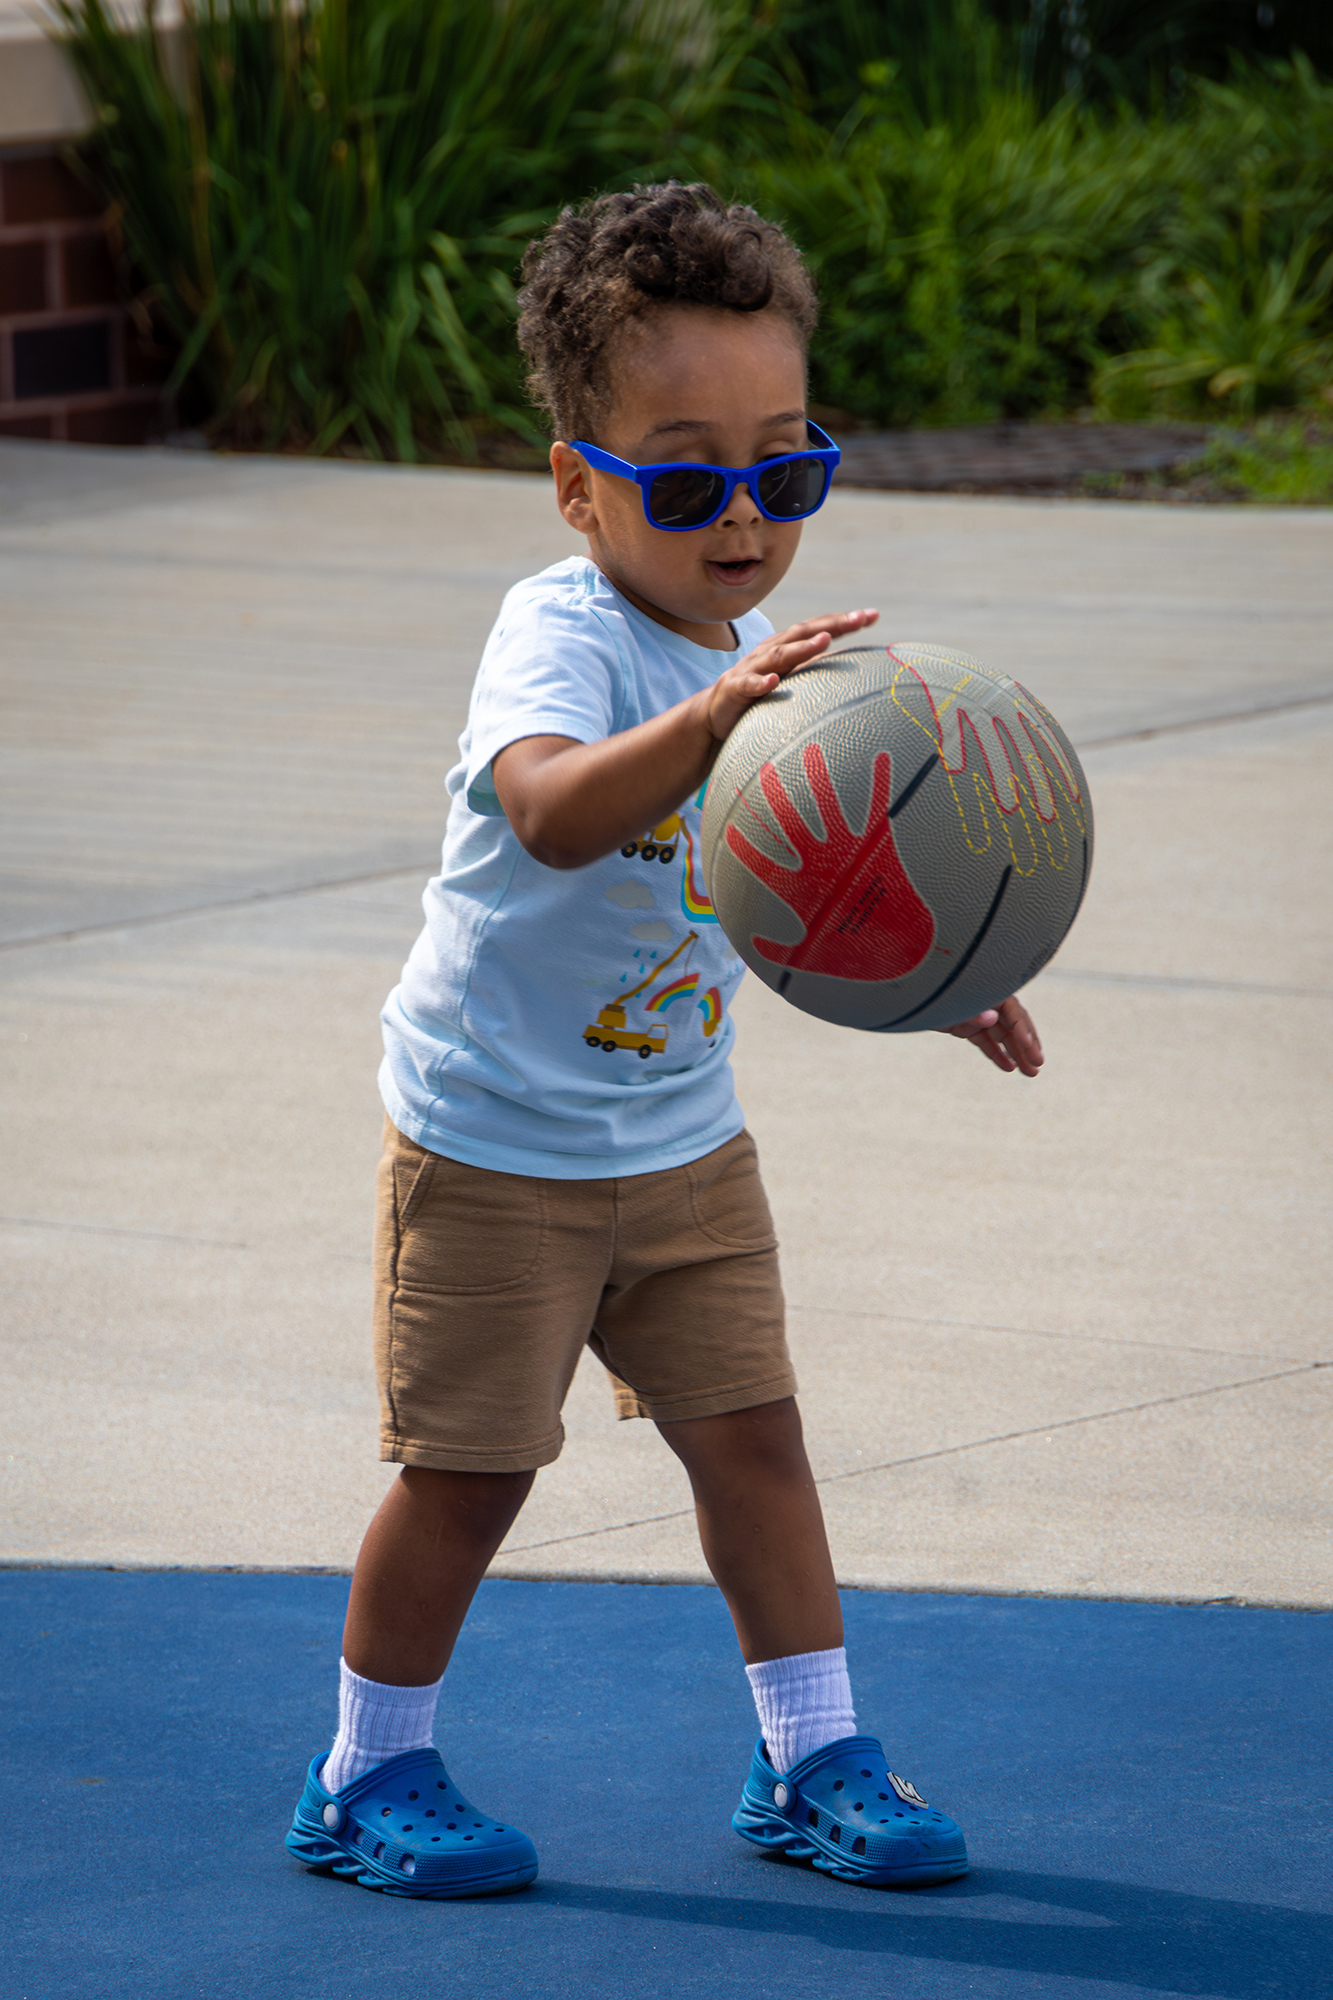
x: 895, y: 839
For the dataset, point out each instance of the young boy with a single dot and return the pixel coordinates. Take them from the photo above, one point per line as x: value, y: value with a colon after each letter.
x: 565, y: 1164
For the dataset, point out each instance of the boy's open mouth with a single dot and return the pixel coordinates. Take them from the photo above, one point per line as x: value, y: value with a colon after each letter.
x: 743, y: 571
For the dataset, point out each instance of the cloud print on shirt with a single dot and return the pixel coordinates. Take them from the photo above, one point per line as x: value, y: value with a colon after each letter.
x: 631, y: 896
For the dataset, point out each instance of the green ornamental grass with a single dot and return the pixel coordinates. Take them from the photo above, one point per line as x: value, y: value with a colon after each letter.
x: 1280, y: 459
x: 328, y: 199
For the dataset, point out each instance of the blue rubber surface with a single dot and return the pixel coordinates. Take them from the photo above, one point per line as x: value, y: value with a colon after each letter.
x: 1144, y: 1791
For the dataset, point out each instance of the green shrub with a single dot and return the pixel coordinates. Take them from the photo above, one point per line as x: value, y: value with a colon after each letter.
x: 1233, y: 306
x: 327, y: 200
x: 975, y: 274
x: 1018, y: 264
x: 949, y: 56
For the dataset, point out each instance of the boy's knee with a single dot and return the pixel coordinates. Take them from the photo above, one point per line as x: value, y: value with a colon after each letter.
x: 469, y: 1500
x: 767, y: 1434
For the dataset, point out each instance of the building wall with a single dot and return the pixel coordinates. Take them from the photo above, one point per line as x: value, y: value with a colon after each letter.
x: 73, y: 362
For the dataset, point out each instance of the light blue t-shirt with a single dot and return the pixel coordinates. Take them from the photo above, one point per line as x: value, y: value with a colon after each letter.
x: 568, y: 1023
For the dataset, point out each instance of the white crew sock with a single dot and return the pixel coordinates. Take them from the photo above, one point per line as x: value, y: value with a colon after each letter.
x: 804, y: 1702
x: 375, y: 1723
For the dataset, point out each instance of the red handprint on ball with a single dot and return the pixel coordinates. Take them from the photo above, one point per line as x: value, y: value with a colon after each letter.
x: 862, y: 917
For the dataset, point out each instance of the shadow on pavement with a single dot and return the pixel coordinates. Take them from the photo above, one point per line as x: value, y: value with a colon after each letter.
x: 1056, y: 1926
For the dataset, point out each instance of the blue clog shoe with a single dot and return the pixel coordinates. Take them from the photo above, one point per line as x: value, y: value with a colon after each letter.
x: 404, y: 1827
x: 845, y: 1811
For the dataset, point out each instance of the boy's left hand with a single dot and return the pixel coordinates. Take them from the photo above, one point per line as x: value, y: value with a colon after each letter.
x: 1006, y: 1035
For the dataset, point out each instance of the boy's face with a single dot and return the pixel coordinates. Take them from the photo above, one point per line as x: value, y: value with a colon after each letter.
x: 691, y: 384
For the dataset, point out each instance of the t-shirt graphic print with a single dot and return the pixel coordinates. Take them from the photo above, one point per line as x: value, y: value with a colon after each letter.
x: 568, y: 1023
x: 614, y: 1028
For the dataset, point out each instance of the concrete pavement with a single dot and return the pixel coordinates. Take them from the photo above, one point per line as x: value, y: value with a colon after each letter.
x: 1069, y: 1337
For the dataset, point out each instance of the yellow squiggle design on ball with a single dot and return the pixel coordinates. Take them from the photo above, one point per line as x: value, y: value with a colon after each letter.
x: 1026, y: 789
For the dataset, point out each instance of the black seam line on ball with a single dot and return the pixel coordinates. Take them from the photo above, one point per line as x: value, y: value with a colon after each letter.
x: 962, y: 964
x: 785, y: 981
x: 905, y: 795
x: 1082, y: 892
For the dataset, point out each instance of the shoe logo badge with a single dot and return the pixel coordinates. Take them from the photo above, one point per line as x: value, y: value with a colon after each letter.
x: 906, y: 1790
x: 781, y: 1797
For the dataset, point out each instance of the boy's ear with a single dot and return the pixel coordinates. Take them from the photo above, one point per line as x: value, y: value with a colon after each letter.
x: 573, y: 489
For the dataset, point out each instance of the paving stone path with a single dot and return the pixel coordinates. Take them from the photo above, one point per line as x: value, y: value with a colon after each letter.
x: 1010, y: 456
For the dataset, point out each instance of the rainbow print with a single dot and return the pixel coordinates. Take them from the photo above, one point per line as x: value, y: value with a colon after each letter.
x: 694, y: 898
x: 711, y: 1009
x: 679, y: 989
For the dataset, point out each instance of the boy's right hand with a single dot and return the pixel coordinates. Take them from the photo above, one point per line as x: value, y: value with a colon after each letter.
x: 570, y: 803
x: 760, y: 671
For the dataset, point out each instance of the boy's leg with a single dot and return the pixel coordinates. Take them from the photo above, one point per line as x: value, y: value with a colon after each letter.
x: 378, y: 1807
x: 762, y: 1531
x: 762, y: 1527
x: 423, y: 1556
x: 817, y: 1790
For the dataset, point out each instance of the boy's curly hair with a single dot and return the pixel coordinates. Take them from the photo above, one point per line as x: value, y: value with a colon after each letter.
x: 619, y: 256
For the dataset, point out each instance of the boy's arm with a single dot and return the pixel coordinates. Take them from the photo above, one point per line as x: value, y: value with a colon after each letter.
x: 570, y: 803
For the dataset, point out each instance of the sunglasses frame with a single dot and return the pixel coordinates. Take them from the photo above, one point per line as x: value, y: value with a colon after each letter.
x: 827, y: 453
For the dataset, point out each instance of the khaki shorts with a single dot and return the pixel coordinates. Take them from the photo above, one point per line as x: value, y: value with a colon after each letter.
x: 488, y: 1286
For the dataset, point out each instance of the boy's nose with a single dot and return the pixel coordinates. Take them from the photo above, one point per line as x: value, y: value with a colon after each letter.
x: 740, y: 509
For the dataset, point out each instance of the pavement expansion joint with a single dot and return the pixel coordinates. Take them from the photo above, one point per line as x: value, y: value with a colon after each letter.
x: 1071, y: 1423
x: 1188, y: 983
x: 1050, y: 1333
x: 944, y: 1451
x: 1319, y: 700
x: 150, y: 918
x: 115, y: 1229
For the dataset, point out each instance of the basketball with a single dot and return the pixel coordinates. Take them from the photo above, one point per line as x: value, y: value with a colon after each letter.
x: 895, y: 839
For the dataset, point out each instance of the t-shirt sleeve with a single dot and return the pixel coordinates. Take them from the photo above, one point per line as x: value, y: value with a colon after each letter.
x: 551, y: 668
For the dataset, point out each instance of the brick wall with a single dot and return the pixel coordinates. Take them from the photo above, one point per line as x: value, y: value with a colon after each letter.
x: 72, y: 363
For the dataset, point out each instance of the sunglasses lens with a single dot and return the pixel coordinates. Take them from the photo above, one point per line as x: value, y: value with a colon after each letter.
x: 793, y: 487
x: 684, y: 497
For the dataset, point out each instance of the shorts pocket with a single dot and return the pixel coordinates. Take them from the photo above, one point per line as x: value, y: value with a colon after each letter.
x: 466, y: 1229
x: 728, y: 1197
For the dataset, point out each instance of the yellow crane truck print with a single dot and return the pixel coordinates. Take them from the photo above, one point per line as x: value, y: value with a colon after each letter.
x: 658, y: 845
x: 610, y: 1032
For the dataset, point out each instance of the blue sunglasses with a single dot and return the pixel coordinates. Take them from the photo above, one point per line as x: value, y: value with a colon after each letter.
x: 679, y: 498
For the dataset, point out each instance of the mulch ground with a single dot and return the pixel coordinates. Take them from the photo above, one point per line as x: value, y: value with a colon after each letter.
x: 1071, y: 460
